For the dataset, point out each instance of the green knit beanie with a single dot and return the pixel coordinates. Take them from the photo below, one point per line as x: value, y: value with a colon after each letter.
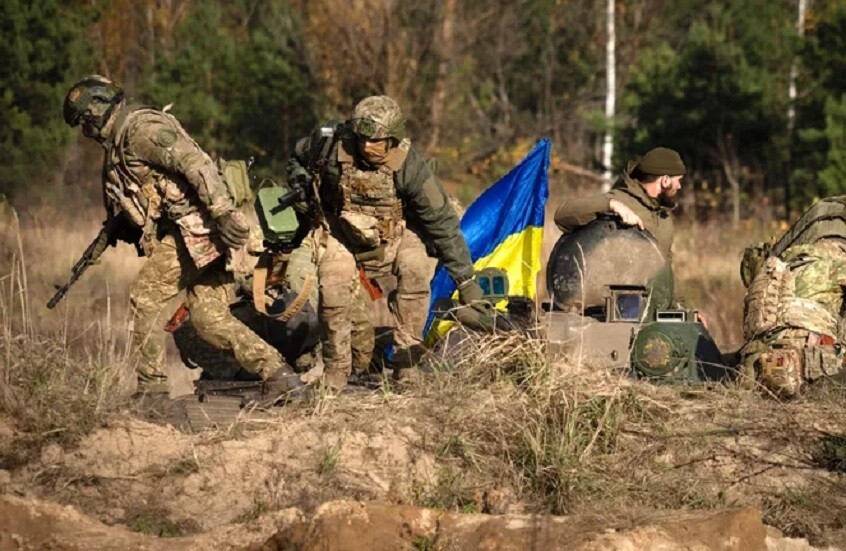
x: 662, y: 161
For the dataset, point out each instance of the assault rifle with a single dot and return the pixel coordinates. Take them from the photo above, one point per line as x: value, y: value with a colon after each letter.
x: 300, y: 191
x: 321, y: 143
x: 108, y: 236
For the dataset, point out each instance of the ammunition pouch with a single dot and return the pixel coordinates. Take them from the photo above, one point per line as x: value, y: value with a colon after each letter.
x: 821, y: 361
x: 787, y: 365
x: 781, y: 371
x: 237, y: 180
x: 772, y: 286
x: 377, y: 254
x: 362, y: 230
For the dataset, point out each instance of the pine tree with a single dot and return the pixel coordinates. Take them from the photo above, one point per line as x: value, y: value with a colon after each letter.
x: 42, y: 51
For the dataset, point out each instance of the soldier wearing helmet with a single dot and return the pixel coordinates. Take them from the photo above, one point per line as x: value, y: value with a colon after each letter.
x: 383, y: 210
x: 182, y: 216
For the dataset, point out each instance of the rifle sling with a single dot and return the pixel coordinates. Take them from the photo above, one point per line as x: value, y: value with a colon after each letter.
x: 260, y: 277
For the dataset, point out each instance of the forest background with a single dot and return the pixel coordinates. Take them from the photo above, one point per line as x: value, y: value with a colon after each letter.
x: 479, y: 82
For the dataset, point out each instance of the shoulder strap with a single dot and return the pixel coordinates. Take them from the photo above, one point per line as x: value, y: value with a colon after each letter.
x: 126, y: 116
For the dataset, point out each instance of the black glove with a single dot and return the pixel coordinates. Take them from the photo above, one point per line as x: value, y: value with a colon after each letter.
x: 470, y: 292
x: 233, y: 229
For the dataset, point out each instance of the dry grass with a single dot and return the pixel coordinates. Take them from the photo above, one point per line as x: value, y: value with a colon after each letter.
x: 60, y: 372
x: 707, y: 269
x: 515, y: 427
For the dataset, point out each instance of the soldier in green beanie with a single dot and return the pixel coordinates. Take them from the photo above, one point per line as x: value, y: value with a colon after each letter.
x: 643, y: 196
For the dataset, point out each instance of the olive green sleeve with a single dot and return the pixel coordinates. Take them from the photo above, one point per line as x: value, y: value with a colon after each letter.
x: 426, y: 202
x: 158, y: 143
x: 296, y: 169
x: 580, y: 211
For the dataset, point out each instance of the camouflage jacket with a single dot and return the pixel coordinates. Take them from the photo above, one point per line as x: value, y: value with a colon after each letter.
x: 821, y: 273
x: 425, y: 205
x: 152, y: 168
x: 657, y: 219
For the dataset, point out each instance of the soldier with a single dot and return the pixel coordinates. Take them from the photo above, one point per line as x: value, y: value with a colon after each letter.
x: 793, y: 313
x: 643, y: 196
x: 175, y: 201
x: 381, y: 209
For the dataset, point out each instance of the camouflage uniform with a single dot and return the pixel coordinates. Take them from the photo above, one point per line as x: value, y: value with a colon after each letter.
x: 159, y: 180
x: 793, y: 316
x: 381, y: 215
x: 657, y: 219
x: 294, y: 334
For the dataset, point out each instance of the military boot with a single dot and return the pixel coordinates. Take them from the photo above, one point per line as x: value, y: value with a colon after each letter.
x: 405, y: 375
x: 283, y: 384
x: 335, y: 379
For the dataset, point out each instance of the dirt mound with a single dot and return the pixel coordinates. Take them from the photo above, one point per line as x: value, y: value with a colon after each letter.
x: 357, y: 526
x: 156, y: 479
x: 507, y: 436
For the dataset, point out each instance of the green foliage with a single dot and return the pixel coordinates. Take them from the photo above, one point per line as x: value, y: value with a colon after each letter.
x: 246, y: 78
x: 833, y: 176
x: 42, y: 51
x: 235, y: 81
x: 713, y: 98
x: 818, y: 153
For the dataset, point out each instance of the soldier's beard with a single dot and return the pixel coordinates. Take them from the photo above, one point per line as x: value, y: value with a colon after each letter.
x: 669, y: 201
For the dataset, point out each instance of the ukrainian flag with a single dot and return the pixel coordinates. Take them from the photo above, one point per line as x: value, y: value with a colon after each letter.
x: 503, y: 228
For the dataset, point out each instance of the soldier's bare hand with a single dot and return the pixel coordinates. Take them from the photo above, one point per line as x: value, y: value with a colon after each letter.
x: 233, y: 229
x: 627, y: 215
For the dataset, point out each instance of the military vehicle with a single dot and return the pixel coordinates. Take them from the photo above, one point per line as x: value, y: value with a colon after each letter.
x: 612, y: 303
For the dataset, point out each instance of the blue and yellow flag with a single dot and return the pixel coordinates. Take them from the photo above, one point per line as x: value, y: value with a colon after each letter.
x: 503, y: 228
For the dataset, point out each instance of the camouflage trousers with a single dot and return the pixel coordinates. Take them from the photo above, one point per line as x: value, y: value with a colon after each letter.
x: 342, y: 303
x: 785, y: 360
x: 169, y: 270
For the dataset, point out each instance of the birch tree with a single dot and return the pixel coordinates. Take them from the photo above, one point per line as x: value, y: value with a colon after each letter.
x: 610, y: 97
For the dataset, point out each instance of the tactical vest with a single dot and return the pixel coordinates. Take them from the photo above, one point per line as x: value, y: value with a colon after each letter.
x: 122, y: 186
x: 134, y: 185
x: 371, y: 211
x: 771, y: 304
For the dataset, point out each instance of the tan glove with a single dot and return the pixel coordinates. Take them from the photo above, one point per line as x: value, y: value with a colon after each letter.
x: 470, y: 292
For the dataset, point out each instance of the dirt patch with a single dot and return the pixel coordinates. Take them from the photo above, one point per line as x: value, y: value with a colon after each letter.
x: 155, y: 478
x: 510, y: 434
x: 358, y: 526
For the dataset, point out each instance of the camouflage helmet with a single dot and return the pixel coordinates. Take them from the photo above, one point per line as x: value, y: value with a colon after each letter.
x: 378, y: 117
x: 84, y: 92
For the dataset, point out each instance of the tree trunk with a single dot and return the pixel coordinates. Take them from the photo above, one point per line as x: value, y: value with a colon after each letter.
x: 446, y: 55
x: 610, y: 98
x: 794, y: 68
x: 791, y: 109
x: 731, y: 168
